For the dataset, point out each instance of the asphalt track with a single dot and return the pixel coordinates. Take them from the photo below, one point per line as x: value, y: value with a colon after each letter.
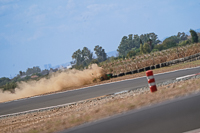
x: 86, y: 93
x: 175, y: 116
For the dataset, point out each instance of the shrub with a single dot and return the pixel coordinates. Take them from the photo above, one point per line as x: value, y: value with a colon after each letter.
x: 194, y: 36
x: 131, y: 53
x: 184, y: 43
x: 154, y: 50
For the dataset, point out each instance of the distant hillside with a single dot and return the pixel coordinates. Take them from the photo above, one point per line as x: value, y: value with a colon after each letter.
x: 62, y: 65
x: 112, y: 53
x: 198, y: 30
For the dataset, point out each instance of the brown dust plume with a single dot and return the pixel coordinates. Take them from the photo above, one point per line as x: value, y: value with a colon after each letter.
x: 58, y: 81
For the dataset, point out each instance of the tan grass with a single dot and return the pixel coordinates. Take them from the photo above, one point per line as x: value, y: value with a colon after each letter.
x: 63, y: 118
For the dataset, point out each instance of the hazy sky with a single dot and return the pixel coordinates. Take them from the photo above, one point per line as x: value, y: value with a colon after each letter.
x: 38, y: 32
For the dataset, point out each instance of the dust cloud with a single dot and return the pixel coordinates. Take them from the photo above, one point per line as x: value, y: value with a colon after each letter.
x: 57, y: 81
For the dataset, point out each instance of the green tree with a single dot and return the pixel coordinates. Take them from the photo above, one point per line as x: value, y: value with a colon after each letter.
x: 137, y: 50
x: 82, y: 57
x: 159, y: 47
x: 170, y: 42
x: 77, y: 56
x: 9, y: 86
x: 131, y: 53
x: 35, y: 69
x: 20, y: 72
x: 87, y: 56
x: 154, y: 38
x: 141, y: 48
x: 198, y: 36
x: 182, y: 36
x: 130, y: 42
x: 184, y: 43
x: 94, y: 61
x: 100, y: 53
x: 150, y: 43
x: 173, y: 41
x: 4, y: 80
x: 146, y: 48
x: 194, y: 36
x: 123, y: 47
x: 136, y: 41
x: 154, y: 50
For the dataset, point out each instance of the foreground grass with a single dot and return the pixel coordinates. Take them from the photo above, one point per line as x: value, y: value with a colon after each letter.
x: 63, y: 118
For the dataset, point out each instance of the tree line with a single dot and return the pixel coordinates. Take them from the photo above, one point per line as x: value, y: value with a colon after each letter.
x: 30, y: 71
x: 146, y: 43
x: 11, y: 84
x: 132, y: 45
x: 83, y: 58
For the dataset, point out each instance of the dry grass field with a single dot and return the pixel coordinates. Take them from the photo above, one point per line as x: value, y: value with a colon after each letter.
x: 129, y: 64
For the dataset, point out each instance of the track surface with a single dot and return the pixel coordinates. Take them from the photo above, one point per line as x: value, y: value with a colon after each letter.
x: 86, y: 93
x: 177, y: 116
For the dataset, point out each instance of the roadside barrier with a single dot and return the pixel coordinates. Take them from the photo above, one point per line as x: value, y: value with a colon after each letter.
x: 163, y: 64
x: 151, y: 81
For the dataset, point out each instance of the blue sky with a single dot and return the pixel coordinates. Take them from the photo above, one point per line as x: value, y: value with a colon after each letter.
x: 38, y: 32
